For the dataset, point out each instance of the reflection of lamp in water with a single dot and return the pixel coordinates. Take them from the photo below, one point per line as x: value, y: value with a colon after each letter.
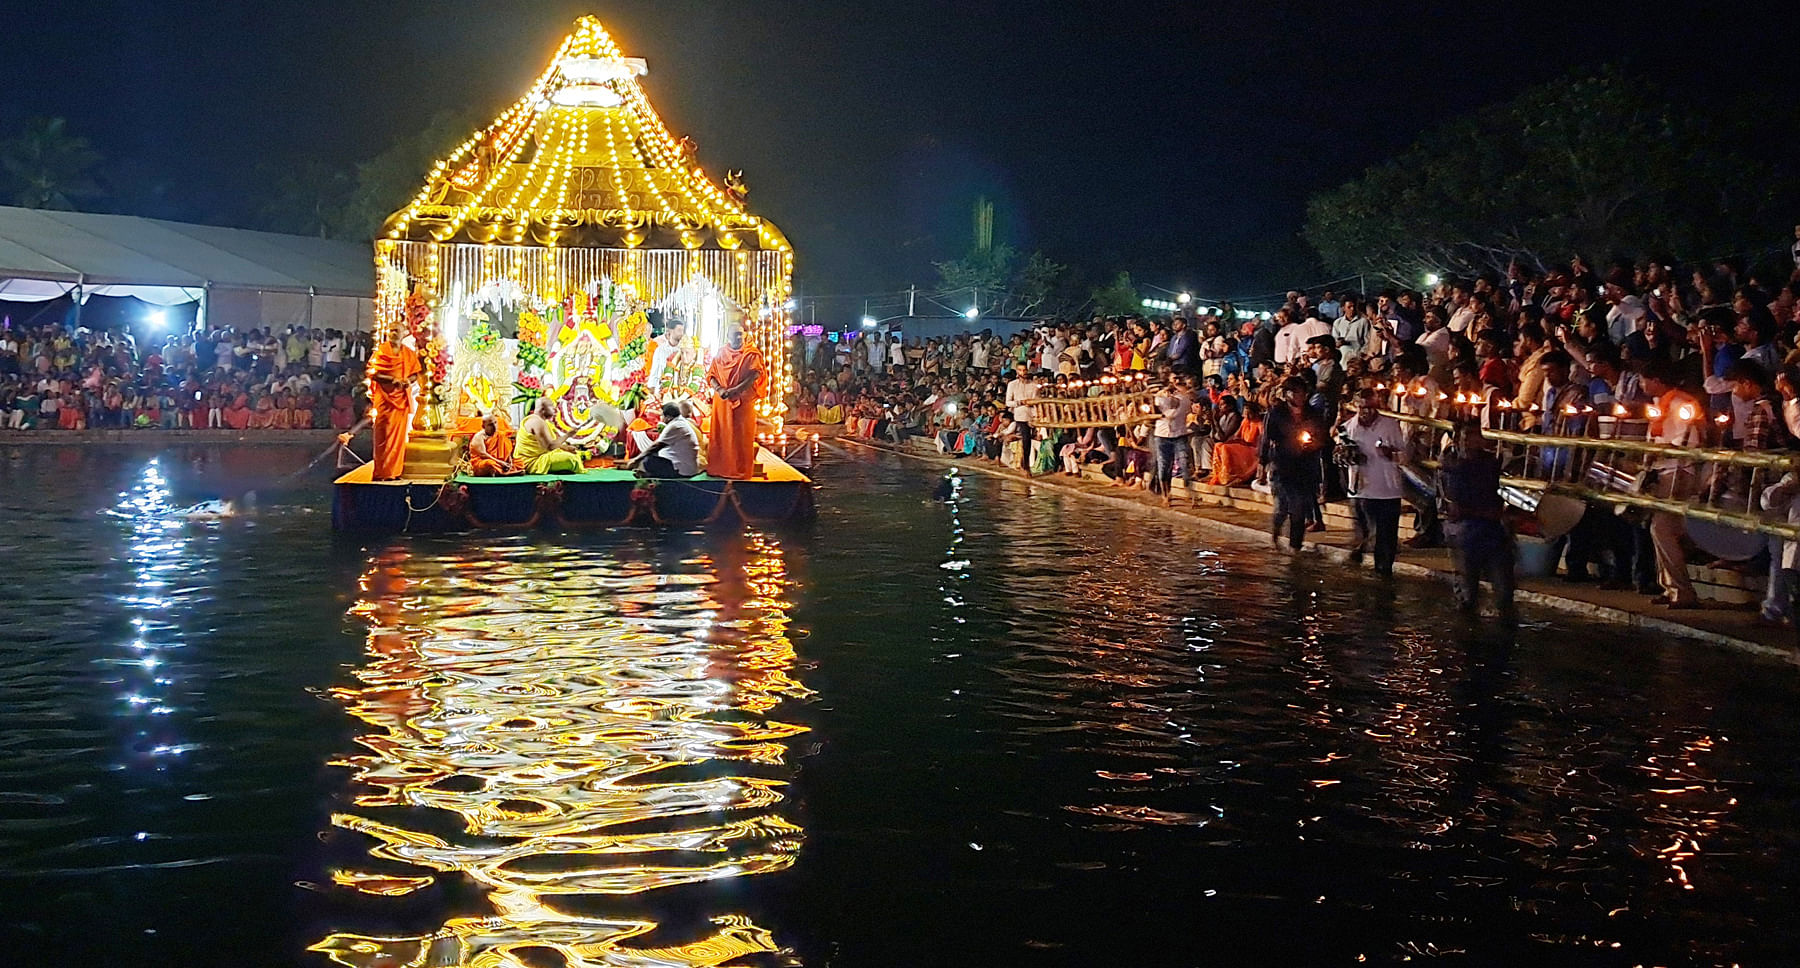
x: 592, y: 747
x: 157, y: 551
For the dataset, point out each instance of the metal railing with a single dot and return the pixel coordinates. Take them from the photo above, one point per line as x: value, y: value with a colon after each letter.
x: 1723, y: 487
x: 1080, y: 413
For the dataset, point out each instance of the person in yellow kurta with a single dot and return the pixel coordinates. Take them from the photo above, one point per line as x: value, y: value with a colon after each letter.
x: 393, y: 369
x: 738, y: 376
x: 539, y: 448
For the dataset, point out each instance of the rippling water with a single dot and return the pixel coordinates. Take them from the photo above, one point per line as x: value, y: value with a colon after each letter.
x: 1009, y: 729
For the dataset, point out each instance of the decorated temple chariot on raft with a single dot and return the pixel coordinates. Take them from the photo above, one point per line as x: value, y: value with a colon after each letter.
x: 574, y: 251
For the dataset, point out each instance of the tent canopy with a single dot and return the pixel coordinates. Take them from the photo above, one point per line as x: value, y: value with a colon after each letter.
x: 43, y: 254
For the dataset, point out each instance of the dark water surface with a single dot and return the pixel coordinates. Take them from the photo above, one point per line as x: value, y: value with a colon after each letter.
x: 1011, y: 730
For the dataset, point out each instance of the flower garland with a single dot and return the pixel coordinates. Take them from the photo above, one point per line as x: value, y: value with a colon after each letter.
x: 532, y: 356
x: 632, y: 364
x: 431, y: 348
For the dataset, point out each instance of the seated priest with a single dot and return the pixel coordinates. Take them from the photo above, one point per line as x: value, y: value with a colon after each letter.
x: 539, y: 449
x: 676, y: 451
x: 491, y: 450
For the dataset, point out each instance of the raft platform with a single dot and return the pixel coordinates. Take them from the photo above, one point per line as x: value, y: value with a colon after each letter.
x: 599, y: 498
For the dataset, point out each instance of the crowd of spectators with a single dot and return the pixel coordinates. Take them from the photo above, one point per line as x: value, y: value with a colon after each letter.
x: 54, y: 377
x: 1301, y: 401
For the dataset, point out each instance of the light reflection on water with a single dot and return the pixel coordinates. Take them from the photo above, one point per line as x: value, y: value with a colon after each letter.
x: 157, y: 550
x: 559, y: 727
x: 1048, y: 735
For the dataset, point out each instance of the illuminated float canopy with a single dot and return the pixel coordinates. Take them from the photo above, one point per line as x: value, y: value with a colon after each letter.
x: 528, y: 263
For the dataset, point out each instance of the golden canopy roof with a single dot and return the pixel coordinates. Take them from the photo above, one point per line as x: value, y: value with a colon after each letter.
x: 581, y: 160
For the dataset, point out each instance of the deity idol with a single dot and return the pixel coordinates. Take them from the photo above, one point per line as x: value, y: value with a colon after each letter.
x: 582, y: 411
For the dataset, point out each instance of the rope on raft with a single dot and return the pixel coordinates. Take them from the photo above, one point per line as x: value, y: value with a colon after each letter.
x: 549, y: 505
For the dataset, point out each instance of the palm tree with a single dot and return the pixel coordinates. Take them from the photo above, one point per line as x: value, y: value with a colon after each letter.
x: 47, y: 167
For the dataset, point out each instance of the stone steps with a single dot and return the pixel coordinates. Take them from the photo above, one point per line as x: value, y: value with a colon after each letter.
x: 1338, y: 517
x: 429, y: 458
x: 1721, y: 585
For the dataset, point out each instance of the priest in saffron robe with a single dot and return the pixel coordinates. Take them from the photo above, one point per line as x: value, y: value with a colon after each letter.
x: 491, y: 449
x: 393, y: 369
x: 738, y: 376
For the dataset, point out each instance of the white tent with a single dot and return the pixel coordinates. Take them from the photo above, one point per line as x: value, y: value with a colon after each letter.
x: 241, y: 277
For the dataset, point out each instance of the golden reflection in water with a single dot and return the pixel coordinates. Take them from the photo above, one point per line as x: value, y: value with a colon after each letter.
x: 561, y: 726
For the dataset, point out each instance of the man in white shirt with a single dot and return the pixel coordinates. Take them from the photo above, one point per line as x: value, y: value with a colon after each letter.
x: 676, y: 452
x: 1171, y: 432
x: 1053, y: 351
x: 978, y: 354
x: 1625, y: 315
x: 1019, y: 394
x: 1288, y: 343
x: 1376, y: 484
x: 674, y: 336
x: 1438, y: 344
x: 1292, y: 339
x: 1462, y: 318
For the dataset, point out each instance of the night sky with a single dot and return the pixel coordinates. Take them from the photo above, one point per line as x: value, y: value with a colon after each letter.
x: 1179, y: 140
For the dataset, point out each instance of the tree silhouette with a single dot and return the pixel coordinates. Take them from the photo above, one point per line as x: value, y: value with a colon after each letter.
x: 1118, y: 297
x: 386, y: 182
x: 304, y: 199
x: 47, y: 167
x: 1596, y: 163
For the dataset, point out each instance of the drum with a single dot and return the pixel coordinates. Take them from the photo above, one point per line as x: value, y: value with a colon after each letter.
x: 1730, y: 544
x: 1558, y: 514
